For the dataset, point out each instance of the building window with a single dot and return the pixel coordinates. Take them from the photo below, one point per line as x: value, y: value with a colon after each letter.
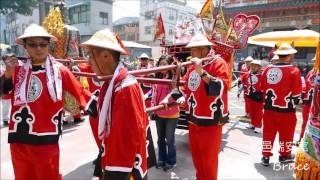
x: 131, y: 37
x: 149, y: 15
x: 147, y: 30
x: 104, y: 17
x: 170, y: 31
x: 172, y: 13
x: 79, y: 14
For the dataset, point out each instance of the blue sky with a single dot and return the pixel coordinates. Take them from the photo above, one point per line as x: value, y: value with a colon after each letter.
x: 123, y: 8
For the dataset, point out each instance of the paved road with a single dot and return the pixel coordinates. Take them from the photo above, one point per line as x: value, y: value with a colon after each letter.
x: 239, y: 157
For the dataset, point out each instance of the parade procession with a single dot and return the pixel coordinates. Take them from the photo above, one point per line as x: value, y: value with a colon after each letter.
x: 221, y: 90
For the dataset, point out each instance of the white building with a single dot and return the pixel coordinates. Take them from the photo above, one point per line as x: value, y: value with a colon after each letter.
x: 2, y: 28
x: 171, y: 11
x: 89, y: 16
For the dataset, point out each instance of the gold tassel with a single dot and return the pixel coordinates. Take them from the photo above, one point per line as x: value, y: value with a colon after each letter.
x: 313, y: 172
x: 53, y: 23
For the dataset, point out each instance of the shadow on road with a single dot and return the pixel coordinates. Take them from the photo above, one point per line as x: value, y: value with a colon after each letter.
x: 84, y: 171
x: 275, y: 171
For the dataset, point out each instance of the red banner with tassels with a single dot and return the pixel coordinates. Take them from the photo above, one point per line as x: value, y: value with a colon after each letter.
x: 160, y: 32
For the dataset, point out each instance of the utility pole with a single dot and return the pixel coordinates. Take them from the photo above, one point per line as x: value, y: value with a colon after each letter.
x: 41, y: 11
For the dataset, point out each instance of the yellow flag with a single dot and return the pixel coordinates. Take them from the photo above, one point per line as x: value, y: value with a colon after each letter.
x: 207, y: 10
x: 317, y: 58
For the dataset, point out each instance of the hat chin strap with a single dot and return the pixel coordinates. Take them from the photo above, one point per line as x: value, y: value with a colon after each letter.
x: 97, y: 64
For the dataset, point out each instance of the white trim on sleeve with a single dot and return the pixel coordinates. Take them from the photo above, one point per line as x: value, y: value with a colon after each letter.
x: 118, y: 168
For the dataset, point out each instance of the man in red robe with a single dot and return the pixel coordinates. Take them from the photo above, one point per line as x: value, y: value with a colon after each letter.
x: 282, y: 86
x: 206, y: 95
x: 255, y: 103
x: 37, y: 87
x: 122, y: 118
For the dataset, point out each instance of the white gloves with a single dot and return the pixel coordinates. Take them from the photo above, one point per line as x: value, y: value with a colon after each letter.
x: 181, y: 100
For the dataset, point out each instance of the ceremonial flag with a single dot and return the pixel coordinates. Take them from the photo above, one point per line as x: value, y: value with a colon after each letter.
x: 159, y: 33
x: 207, y: 10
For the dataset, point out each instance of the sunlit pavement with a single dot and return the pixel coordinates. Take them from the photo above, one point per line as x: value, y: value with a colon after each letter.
x: 239, y: 157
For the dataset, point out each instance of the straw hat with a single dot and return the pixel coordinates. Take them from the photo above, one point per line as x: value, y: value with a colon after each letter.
x: 143, y: 55
x: 34, y: 30
x: 248, y: 59
x: 257, y: 62
x: 285, y: 49
x: 199, y: 40
x: 313, y: 59
x: 104, y: 39
x: 275, y: 57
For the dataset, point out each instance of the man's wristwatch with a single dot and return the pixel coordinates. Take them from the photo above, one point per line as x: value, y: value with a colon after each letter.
x: 204, y: 74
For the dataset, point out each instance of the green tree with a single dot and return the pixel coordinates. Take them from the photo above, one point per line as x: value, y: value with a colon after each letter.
x: 19, y: 6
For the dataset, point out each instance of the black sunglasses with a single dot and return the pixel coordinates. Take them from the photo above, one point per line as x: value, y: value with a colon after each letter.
x: 41, y: 45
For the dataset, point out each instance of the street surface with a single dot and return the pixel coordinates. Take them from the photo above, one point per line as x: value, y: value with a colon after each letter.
x: 239, y: 157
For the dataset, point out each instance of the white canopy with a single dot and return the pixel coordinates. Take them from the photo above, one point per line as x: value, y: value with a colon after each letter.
x: 135, y: 45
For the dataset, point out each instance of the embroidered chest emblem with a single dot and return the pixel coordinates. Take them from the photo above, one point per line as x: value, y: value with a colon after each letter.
x: 254, y: 79
x: 274, y: 75
x: 194, y: 81
x: 35, y: 88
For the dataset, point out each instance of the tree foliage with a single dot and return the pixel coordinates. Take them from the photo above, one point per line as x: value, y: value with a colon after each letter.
x: 19, y: 6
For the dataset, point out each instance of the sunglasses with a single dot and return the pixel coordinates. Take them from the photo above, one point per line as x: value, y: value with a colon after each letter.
x: 41, y: 45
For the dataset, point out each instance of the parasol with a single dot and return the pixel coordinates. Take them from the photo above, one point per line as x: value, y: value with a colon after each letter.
x: 301, y: 38
x: 4, y: 46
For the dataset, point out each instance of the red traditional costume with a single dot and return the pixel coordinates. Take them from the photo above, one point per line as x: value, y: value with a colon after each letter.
x: 94, y: 88
x: 307, y: 95
x: 124, y: 137
x: 207, y: 111
x: 244, y: 69
x: 281, y: 84
x: 146, y: 88
x: 254, y: 94
x: 245, y: 93
x: 36, y: 116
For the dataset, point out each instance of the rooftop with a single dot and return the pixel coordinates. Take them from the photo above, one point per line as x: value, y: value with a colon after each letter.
x: 126, y: 20
x: 287, y: 4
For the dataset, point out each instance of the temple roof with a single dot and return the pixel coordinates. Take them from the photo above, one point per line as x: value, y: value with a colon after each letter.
x: 273, y: 6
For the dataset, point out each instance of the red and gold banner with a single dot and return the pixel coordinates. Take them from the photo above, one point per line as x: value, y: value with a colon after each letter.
x: 244, y: 26
x: 160, y: 32
x: 207, y: 10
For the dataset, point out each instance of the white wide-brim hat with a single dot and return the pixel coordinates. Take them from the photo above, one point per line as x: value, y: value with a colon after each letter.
x: 199, y: 40
x: 248, y: 59
x: 257, y: 62
x: 285, y: 49
x: 143, y: 55
x: 104, y: 39
x: 34, y: 30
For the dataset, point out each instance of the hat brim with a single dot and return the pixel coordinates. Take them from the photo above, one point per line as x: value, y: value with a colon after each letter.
x: 20, y: 39
x: 105, y: 45
x: 285, y: 52
x: 256, y: 63
x: 143, y: 57
x: 200, y: 44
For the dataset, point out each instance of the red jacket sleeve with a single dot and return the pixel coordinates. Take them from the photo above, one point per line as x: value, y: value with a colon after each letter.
x: 220, y: 72
x: 297, y: 84
x: 73, y: 86
x: 127, y: 128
